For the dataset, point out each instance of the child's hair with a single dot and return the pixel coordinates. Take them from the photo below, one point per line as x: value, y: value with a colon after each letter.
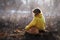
x: 36, y: 11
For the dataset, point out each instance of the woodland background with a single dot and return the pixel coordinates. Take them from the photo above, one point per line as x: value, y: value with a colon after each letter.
x: 16, y: 14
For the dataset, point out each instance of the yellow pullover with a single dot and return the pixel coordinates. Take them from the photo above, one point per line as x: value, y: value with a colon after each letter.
x: 38, y: 22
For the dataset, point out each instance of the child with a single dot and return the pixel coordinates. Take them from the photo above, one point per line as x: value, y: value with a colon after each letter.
x: 38, y: 21
x: 36, y: 26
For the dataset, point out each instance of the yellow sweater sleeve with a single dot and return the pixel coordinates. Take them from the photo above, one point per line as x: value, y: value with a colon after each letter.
x: 43, y: 19
x: 31, y: 24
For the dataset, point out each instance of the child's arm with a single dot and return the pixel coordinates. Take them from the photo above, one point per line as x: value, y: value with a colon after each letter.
x: 32, y: 23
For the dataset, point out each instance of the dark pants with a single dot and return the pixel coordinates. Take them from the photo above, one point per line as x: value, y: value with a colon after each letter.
x: 28, y: 36
x: 42, y: 36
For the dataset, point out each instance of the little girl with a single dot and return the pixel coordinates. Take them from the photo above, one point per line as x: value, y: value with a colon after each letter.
x: 36, y: 26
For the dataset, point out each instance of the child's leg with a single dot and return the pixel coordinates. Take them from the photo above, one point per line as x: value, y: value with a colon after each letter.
x: 28, y: 36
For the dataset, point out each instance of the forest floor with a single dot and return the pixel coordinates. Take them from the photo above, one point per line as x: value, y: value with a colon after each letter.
x: 19, y: 34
